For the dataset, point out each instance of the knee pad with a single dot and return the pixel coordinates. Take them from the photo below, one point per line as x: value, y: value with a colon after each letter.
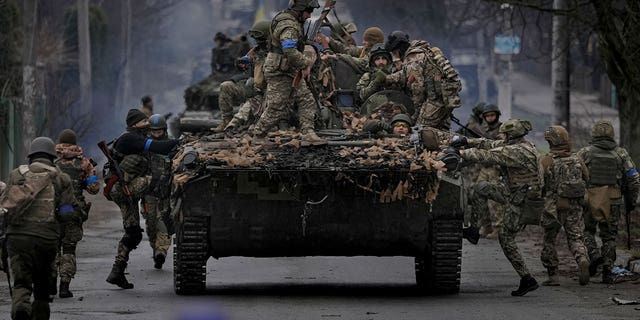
x: 132, y: 237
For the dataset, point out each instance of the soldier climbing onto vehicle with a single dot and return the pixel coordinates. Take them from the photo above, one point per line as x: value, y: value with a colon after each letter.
x: 130, y: 150
x: 564, y: 190
x: 429, y: 77
x: 284, y: 61
x: 612, y: 175
x: 72, y: 161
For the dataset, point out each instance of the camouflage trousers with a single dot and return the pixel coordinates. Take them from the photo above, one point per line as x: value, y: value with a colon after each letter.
x: 280, y: 98
x: 571, y: 220
x: 30, y: 262
x: 608, y: 234
x: 130, y: 216
x: 488, y: 199
x: 155, y: 210
x: 249, y: 112
x: 232, y: 94
x: 434, y: 114
x: 65, y: 262
x: 511, y: 226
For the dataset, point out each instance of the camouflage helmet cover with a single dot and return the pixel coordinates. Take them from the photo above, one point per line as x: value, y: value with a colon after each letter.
x: 260, y: 30
x: 557, y: 136
x: 602, y: 128
x: 42, y: 145
x: 379, y: 50
x: 157, y: 122
x: 515, y: 128
x: 301, y: 5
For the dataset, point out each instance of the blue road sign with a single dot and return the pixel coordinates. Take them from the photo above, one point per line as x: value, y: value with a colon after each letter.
x: 506, y: 44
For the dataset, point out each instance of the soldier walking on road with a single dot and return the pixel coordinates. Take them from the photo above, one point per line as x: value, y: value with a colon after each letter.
x: 33, y: 232
x: 518, y: 160
x: 130, y: 151
x: 83, y: 177
x: 284, y: 61
x: 564, y: 189
x: 612, y: 174
x: 157, y: 205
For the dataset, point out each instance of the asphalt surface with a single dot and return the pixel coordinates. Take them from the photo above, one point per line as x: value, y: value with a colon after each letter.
x: 323, y: 287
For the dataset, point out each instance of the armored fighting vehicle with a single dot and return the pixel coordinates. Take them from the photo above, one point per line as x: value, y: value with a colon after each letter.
x: 358, y: 195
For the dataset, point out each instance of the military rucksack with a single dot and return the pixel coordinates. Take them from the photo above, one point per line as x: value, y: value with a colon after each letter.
x: 35, y: 195
x: 568, y: 173
x: 73, y: 168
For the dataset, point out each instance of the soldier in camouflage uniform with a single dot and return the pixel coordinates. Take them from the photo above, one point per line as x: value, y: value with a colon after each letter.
x: 518, y: 160
x: 83, y: 176
x: 612, y: 174
x: 130, y: 151
x: 33, y: 235
x: 564, y: 189
x: 237, y: 90
x: 429, y: 77
x: 379, y: 67
x: 157, y: 205
x: 284, y: 61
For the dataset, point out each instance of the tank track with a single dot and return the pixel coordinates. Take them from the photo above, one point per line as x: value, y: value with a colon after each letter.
x: 190, y: 255
x: 438, y: 269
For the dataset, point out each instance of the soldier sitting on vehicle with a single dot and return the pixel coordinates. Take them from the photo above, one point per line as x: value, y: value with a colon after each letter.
x: 400, y: 124
x: 379, y: 67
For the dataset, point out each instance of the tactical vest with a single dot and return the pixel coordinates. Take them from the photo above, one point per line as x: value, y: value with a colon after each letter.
x: 74, y: 169
x: 568, y: 174
x: 43, y: 207
x: 529, y: 175
x: 604, y: 167
x: 446, y: 85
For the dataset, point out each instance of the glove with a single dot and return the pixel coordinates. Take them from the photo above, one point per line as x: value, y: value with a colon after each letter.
x: 451, y: 159
x: 379, y: 77
x: 459, y: 141
x: 375, y: 126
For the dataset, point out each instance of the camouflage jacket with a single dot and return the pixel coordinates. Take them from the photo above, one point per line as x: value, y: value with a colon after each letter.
x: 83, y: 175
x: 340, y: 47
x: 287, y: 43
x: 429, y: 76
x: 518, y: 161
x: 624, y: 171
x: 366, y: 86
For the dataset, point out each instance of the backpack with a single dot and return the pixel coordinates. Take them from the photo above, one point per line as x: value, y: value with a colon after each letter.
x: 18, y: 198
x: 568, y: 172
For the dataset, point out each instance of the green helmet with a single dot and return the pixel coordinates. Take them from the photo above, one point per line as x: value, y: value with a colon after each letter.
x: 401, y: 117
x: 302, y: 5
x: 478, y: 109
x: 515, y: 128
x: 42, y: 145
x: 602, y: 128
x: 157, y: 122
x: 261, y: 30
x: 490, y: 107
x: 379, y: 50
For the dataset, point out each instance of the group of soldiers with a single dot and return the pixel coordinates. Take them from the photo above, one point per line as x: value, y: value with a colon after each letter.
x: 581, y: 192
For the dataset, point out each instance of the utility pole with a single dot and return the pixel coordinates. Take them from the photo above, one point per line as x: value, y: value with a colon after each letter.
x: 560, y: 66
x: 28, y: 112
x: 504, y: 50
x: 84, y: 58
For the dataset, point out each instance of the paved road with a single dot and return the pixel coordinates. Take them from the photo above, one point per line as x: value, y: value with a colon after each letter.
x: 322, y: 287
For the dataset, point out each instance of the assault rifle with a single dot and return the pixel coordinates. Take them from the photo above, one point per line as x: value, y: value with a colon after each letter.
x: 313, y: 31
x: 116, y: 175
x: 469, y: 130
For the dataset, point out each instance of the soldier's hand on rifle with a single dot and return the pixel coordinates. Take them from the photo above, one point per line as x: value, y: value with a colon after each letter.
x: 459, y: 142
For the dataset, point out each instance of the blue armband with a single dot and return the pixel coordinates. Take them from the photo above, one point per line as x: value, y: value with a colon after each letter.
x: 91, y: 180
x: 632, y: 172
x: 147, y: 145
x: 67, y: 208
x: 245, y: 59
x: 289, y: 44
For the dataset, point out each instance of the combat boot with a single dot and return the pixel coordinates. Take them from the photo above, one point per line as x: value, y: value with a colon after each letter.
x: 527, y: 284
x: 22, y: 314
x: 584, y: 272
x: 64, y: 290
x: 311, y: 137
x: 117, y: 277
x: 595, y: 263
x: 222, y: 125
x: 607, y: 277
x: 486, y: 231
x: 472, y: 234
x: 158, y: 260
x: 554, y: 279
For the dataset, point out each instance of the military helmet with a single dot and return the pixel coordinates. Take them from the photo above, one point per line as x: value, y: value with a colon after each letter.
x: 401, y: 117
x: 556, y: 135
x: 478, y: 109
x: 373, y: 35
x: 42, y: 145
x: 398, y: 40
x: 68, y: 136
x: 379, y: 50
x: 302, y: 5
x: 157, y: 122
x: 490, y: 107
x: 515, y: 128
x: 261, y: 30
x: 602, y: 128
x: 348, y: 27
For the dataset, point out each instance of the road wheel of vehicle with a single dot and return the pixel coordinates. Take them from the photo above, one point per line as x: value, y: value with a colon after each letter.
x: 190, y: 256
x: 438, y: 267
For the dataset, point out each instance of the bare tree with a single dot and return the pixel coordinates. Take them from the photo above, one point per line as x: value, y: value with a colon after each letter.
x: 84, y: 57
x: 30, y: 19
